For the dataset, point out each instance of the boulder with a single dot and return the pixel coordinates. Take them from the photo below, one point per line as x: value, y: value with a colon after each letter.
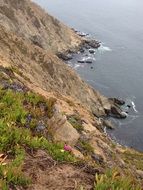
x: 108, y: 124
x: 117, y: 112
x: 64, y: 56
x: 92, y: 44
x: 61, y: 129
x: 117, y: 101
x: 66, y: 133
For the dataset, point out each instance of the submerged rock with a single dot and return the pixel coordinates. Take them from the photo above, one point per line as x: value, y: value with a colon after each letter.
x: 91, y: 51
x: 81, y: 61
x: 82, y: 34
x: 82, y: 50
x: 88, y: 61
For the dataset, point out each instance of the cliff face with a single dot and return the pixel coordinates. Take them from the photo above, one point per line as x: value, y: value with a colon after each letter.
x: 44, y: 102
x: 30, y: 22
x: 29, y: 40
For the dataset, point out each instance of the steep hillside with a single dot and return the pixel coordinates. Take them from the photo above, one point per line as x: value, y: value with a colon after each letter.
x: 46, y: 71
x: 29, y: 21
x: 51, y: 122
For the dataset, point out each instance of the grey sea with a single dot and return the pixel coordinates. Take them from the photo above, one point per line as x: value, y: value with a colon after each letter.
x: 117, y: 68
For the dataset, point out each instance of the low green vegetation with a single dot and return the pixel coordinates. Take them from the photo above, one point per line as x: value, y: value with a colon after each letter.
x: 85, y: 147
x: 113, y: 180
x: 76, y: 122
x: 19, y: 130
x: 133, y: 158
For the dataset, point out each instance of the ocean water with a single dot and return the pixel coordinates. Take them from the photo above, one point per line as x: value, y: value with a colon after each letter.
x: 117, y: 69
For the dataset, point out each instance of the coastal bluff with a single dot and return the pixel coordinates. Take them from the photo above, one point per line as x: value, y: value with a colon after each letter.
x: 52, y: 123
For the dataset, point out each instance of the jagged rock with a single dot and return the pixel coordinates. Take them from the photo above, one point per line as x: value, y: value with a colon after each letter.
x: 108, y: 124
x: 118, y: 113
x: 117, y: 101
x: 82, y: 50
x: 62, y: 130
x: 64, y: 57
x: 92, y: 44
x: 82, y: 34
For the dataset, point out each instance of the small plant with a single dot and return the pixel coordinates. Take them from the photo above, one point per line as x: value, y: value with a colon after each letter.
x: 85, y: 147
x: 133, y: 158
x: 76, y: 122
x: 113, y: 180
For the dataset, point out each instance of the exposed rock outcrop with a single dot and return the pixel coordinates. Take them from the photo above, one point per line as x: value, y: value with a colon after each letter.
x: 29, y: 21
x: 62, y: 130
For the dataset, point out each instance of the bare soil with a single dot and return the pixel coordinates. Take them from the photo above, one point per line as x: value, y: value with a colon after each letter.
x: 46, y: 174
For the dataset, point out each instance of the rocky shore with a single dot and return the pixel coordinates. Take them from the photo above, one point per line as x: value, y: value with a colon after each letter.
x: 116, y: 105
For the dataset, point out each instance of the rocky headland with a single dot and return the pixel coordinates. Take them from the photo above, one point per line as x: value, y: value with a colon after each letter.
x: 51, y: 122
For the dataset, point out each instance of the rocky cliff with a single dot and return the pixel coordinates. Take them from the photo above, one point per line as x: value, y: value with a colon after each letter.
x: 32, y: 23
x: 49, y: 116
x: 36, y: 59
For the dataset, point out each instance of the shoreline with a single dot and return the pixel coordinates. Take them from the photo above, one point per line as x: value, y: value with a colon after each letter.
x: 122, y: 106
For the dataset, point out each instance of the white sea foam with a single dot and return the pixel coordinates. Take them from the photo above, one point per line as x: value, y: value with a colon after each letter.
x: 134, y: 107
x: 76, y: 66
x: 104, y: 48
x: 133, y: 117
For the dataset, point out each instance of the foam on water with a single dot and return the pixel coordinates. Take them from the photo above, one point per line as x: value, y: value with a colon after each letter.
x: 132, y: 118
x: 134, y: 107
x: 103, y: 48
